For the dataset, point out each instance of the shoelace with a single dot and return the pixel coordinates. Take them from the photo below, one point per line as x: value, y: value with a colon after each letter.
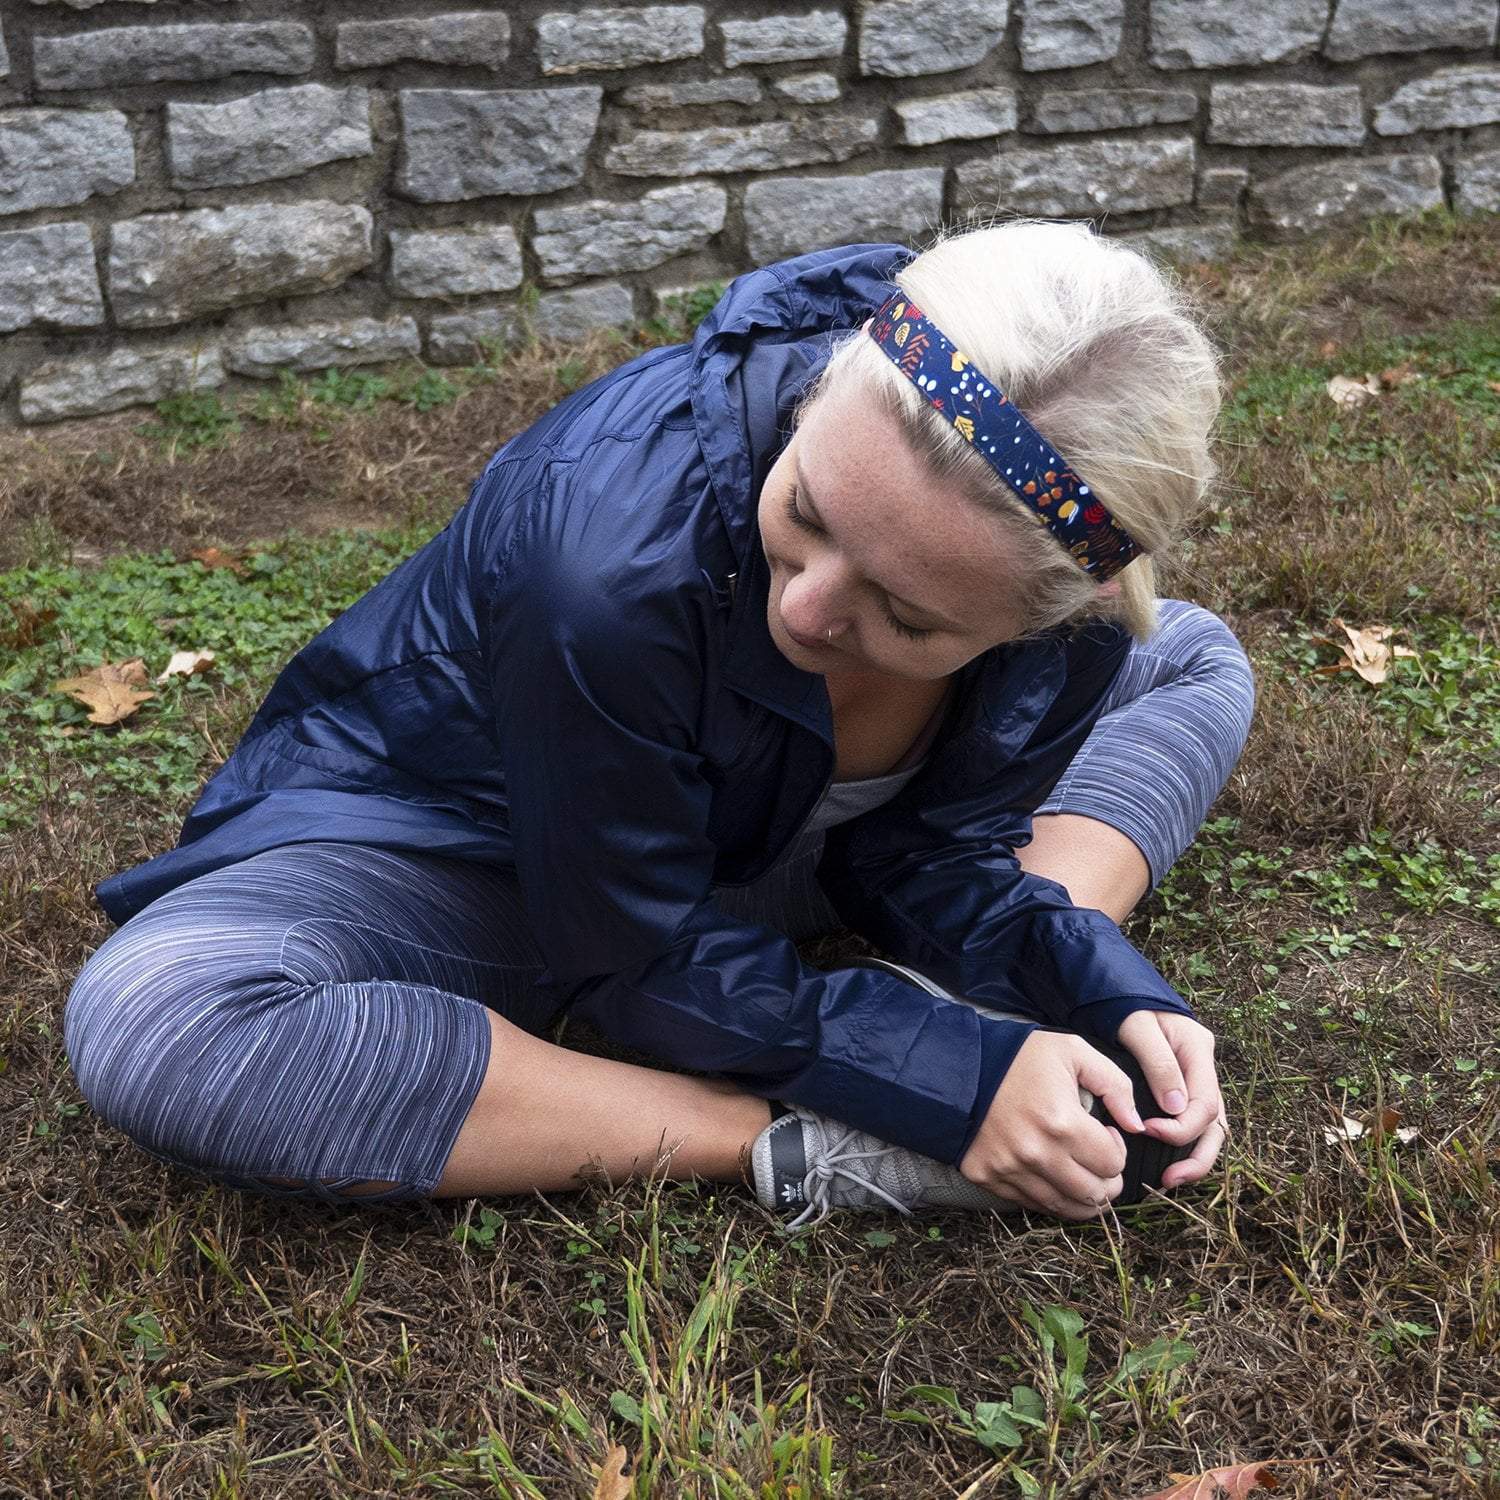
x: 817, y: 1184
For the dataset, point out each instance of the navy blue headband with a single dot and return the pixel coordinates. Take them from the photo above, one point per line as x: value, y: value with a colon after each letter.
x: 1000, y: 433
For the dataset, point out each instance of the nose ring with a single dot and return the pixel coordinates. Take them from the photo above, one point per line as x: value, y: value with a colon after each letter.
x: 830, y: 635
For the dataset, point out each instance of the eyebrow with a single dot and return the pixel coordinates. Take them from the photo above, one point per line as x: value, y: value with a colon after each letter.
x: 817, y: 516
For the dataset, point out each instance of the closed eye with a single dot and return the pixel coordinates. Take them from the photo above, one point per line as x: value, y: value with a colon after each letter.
x: 795, y: 516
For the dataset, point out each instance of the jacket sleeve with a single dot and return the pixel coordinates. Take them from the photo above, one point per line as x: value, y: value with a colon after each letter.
x: 597, y: 679
x: 932, y: 878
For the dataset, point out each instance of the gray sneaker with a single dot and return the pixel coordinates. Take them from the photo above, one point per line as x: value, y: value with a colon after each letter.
x: 807, y: 1161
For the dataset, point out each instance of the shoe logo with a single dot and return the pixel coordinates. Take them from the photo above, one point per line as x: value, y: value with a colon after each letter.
x: 791, y: 1192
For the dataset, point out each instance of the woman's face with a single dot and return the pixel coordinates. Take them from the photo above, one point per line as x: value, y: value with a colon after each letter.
x: 912, y: 580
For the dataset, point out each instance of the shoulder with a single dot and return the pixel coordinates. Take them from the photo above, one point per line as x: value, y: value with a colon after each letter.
x: 608, y: 494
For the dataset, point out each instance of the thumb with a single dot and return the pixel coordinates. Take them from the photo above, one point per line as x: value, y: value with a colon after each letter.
x: 1108, y: 1081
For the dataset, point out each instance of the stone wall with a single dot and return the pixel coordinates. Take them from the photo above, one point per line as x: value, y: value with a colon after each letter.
x: 195, y: 192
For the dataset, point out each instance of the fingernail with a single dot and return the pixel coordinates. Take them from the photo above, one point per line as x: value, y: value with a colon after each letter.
x: 1176, y: 1101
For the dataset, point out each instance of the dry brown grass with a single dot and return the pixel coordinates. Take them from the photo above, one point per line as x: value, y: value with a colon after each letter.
x: 304, y: 1351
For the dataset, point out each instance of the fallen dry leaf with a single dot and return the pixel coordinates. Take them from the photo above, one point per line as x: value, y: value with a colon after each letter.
x: 1347, y: 391
x: 186, y: 663
x: 214, y: 557
x: 112, y: 691
x: 1328, y: 348
x: 1398, y: 375
x: 1387, y: 1122
x: 1232, y: 1483
x: 614, y: 1483
x: 1365, y: 651
x: 30, y: 623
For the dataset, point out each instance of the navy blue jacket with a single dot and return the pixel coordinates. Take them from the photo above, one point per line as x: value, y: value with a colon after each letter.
x: 575, y: 679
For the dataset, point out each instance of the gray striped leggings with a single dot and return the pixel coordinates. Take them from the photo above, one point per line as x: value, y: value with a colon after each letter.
x: 315, y: 1012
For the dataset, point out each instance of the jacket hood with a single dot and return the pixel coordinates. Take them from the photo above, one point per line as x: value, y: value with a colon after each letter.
x: 754, y: 354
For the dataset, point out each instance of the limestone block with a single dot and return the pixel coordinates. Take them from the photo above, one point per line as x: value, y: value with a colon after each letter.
x: 906, y: 38
x: 774, y: 39
x: 1062, y: 110
x: 122, y: 55
x: 1069, y: 33
x: 472, y: 143
x: 788, y: 215
x: 1346, y: 192
x: 1185, y: 243
x: 169, y: 267
x: 455, y: 262
x: 1450, y: 99
x: 574, y: 41
x: 1364, y: 28
x: 1084, y: 177
x: 809, y: 88
x: 53, y: 158
x: 1478, y: 183
x: 1230, y: 33
x: 274, y: 133
x: 744, y: 148
x: 133, y: 376
x: 581, y: 310
x: 693, y: 91
x: 601, y: 237
x: 261, y: 352
x: 966, y: 116
x: 460, y: 338
x: 463, y: 39
x: 47, y: 275
x: 1286, y: 114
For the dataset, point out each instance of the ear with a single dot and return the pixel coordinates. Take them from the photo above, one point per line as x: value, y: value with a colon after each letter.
x: 1110, y: 590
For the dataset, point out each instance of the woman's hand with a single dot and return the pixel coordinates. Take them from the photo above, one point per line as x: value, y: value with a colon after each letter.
x: 1038, y: 1145
x: 1176, y: 1054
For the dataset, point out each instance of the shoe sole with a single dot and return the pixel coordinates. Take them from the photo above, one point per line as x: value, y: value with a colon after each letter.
x: 1146, y: 1157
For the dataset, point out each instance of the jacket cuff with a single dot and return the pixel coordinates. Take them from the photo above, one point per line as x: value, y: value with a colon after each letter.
x: 1083, y: 972
x: 1102, y: 1018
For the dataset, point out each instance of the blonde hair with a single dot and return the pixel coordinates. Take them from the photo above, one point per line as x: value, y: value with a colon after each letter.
x: 1103, y: 353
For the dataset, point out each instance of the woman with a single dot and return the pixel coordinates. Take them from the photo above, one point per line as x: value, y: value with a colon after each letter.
x: 745, y: 639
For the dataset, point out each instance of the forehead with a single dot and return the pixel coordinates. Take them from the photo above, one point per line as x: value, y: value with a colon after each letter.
x: 909, y: 531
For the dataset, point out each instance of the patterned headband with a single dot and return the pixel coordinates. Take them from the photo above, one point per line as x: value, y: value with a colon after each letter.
x: 1011, y: 446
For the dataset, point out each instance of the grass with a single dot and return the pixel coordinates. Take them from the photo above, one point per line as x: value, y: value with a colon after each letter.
x: 1326, y: 1298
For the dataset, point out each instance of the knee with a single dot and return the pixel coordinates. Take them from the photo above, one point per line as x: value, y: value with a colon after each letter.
x: 181, y: 1049
x: 1208, y: 654
x: 96, y: 1026
x: 153, y: 1028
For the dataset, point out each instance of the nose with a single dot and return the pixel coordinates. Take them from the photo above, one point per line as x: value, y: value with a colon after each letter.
x: 813, y: 604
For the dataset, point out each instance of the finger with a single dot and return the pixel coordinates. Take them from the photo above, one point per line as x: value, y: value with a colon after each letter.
x: 1108, y: 1081
x: 1189, y: 1125
x: 1026, y: 1190
x: 1061, y: 1205
x: 1098, y: 1148
x: 1200, y: 1162
x: 1194, y: 1050
x: 1163, y: 1072
x: 1070, y: 1179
